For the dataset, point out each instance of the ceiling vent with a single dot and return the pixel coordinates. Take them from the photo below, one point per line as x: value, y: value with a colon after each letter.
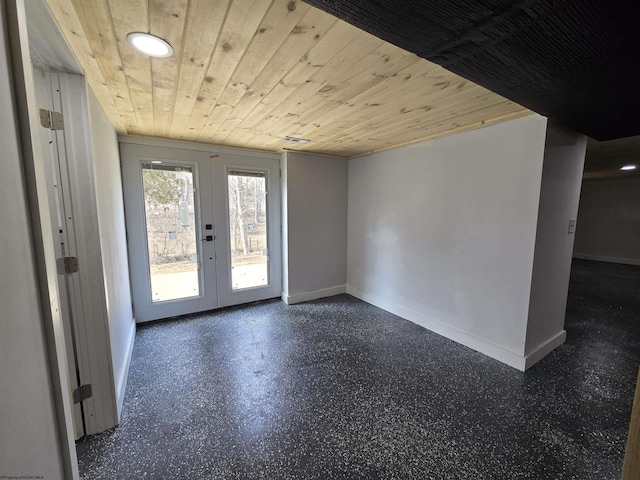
x: 295, y: 139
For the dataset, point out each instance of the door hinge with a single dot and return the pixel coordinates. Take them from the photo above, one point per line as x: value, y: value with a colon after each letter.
x: 67, y: 265
x: 82, y: 393
x: 51, y: 120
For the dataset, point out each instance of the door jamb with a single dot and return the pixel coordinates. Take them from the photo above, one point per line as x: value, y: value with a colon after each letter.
x: 42, y: 233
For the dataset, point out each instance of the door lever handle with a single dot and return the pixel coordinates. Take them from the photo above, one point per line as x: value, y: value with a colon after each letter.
x: 207, y: 238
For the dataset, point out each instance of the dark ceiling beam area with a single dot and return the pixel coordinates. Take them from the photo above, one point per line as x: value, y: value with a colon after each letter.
x: 575, y: 61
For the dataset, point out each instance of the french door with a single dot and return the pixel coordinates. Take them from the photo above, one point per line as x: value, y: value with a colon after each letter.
x: 203, y: 229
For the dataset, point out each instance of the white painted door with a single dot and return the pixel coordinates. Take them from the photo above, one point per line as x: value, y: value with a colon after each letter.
x: 169, y: 215
x: 203, y: 229
x: 247, y: 212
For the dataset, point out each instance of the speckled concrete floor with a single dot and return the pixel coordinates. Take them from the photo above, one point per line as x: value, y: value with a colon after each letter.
x: 340, y: 389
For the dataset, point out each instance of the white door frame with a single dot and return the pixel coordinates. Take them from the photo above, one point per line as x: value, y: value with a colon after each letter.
x: 220, y: 161
x: 43, y: 241
x: 133, y: 157
x: 53, y: 149
x: 223, y: 163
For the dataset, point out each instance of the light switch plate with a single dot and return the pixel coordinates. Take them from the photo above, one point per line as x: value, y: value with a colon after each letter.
x: 572, y: 225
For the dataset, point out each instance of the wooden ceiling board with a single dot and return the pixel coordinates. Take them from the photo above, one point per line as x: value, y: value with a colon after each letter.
x: 331, y: 86
x: 307, y: 32
x: 275, y: 28
x: 134, y: 17
x: 240, y: 26
x: 248, y: 72
x: 251, y: 112
x: 305, y: 86
x: 72, y: 30
x: 167, y: 19
x: 374, y: 105
x: 98, y: 30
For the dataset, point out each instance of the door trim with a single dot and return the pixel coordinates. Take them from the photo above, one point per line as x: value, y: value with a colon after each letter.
x: 201, y: 147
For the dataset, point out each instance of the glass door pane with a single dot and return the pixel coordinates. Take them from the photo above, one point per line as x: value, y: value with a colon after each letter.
x: 248, y: 229
x: 169, y: 204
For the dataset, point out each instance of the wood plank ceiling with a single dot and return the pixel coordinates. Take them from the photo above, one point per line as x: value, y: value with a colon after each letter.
x: 246, y: 73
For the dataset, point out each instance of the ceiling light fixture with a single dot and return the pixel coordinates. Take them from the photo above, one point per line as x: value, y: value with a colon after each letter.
x: 628, y: 167
x: 150, y: 44
x: 295, y: 139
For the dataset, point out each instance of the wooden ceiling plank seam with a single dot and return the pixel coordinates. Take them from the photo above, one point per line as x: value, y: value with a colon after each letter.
x: 237, y: 32
x: 95, y: 17
x: 412, y: 134
x: 167, y: 20
x: 405, y: 80
x: 126, y: 18
x: 305, y: 82
x: 198, y: 49
x: 309, y: 30
x: 440, y: 109
x: 433, y: 104
x: 250, y: 136
x: 326, y: 86
x: 443, y: 133
x: 312, y: 62
x: 210, y: 97
x: 324, y: 112
x: 414, y: 129
x: 68, y: 21
x: 289, y: 125
x: 430, y: 101
x: 407, y: 90
x: 445, y: 126
x: 418, y: 120
x: 278, y: 23
x: 301, y: 76
x: 308, y: 111
x: 447, y: 119
x: 363, y: 120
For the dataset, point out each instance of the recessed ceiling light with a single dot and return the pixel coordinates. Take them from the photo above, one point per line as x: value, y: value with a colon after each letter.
x: 295, y: 139
x: 150, y: 44
x: 628, y: 167
x: 156, y: 161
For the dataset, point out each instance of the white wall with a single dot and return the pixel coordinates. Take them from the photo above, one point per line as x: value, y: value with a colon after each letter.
x: 29, y: 440
x: 560, y: 191
x: 443, y: 233
x: 314, y: 226
x: 609, y: 220
x: 113, y: 243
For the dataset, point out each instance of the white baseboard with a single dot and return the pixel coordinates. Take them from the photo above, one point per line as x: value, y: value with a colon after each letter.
x: 544, y: 349
x: 121, y: 382
x: 598, y: 258
x: 307, y: 296
x: 505, y: 356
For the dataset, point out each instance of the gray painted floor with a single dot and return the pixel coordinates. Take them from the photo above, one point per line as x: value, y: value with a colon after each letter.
x: 340, y: 389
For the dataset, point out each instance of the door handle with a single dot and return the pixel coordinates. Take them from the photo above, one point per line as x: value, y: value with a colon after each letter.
x: 207, y: 238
